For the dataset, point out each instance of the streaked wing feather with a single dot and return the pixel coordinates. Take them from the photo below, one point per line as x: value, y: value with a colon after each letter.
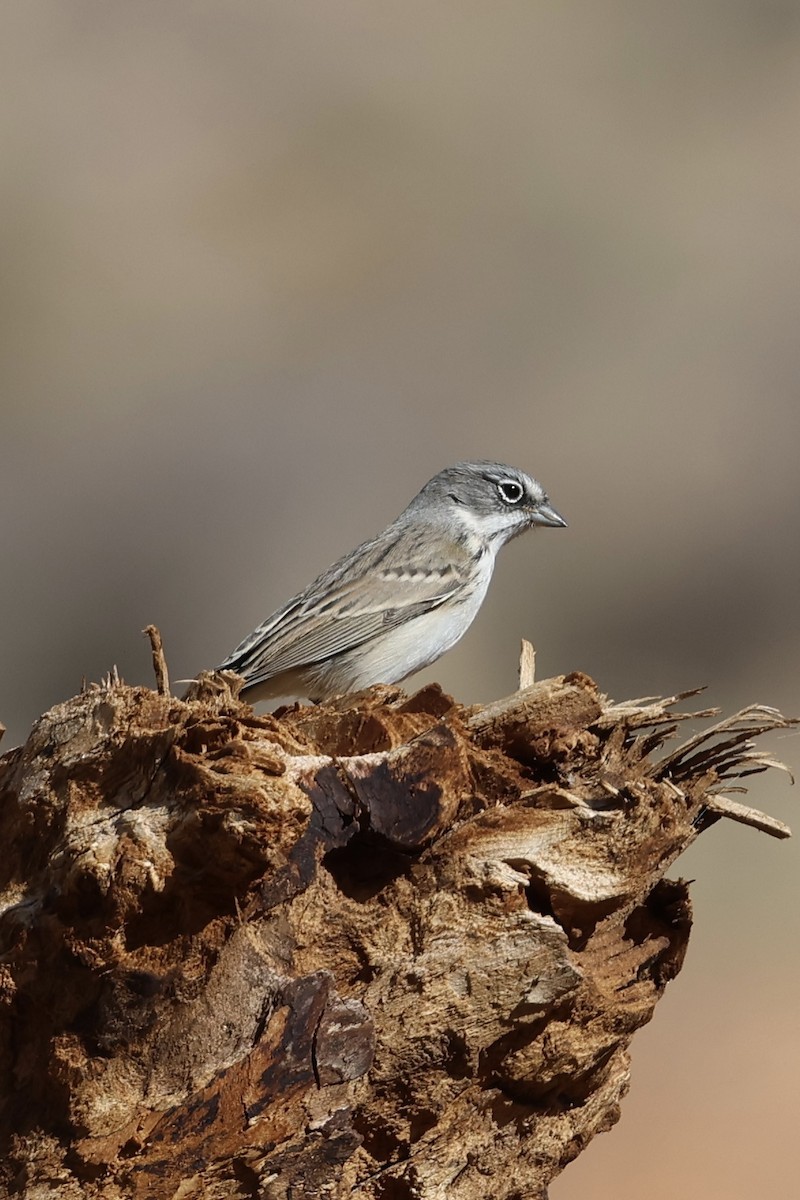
x: 341, y: 635
x: 322, y: 636
x: 332, y: 617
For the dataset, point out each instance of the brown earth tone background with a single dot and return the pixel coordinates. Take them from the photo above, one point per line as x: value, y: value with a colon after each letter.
x: 268, y: 267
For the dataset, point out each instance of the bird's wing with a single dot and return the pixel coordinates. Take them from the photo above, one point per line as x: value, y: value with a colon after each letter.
x: 369, y: 593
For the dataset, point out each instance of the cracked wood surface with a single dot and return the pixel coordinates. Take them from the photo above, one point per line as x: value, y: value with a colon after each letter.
x: 388, y: 948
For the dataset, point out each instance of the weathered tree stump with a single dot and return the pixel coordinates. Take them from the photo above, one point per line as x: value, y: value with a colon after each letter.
x: 389, y: 948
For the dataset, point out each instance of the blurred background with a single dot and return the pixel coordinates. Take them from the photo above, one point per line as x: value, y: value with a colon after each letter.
x: 268, y: 267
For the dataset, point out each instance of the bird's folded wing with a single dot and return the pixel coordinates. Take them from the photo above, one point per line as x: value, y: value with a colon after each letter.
x: 330, y: 620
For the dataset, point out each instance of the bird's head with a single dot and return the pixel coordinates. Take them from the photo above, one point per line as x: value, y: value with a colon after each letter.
x: 486, y: 499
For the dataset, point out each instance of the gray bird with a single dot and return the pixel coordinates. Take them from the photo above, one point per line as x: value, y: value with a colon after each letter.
x: 396, y: 603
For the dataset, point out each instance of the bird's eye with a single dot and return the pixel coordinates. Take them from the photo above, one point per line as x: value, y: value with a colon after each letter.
x: 510, y: 491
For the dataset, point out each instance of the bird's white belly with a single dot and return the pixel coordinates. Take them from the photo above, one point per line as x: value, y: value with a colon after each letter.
x: 408, y: 648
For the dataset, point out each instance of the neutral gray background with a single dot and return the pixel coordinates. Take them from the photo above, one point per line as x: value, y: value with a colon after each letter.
x: 267, y: 267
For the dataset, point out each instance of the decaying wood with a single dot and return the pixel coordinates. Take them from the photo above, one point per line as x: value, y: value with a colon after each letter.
x: 384, y: 949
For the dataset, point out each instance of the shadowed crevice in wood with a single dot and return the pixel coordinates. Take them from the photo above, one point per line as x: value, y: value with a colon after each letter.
x: 389, y: 947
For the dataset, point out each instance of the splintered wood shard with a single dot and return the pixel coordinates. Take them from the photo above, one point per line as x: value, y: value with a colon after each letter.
x: 726, y: 807
x: 159, y: 660
x: 389, y: 946
x: 727, y: 746
x: 527, y: 665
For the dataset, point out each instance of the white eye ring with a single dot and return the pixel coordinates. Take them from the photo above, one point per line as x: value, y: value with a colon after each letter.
x: 510, y: 491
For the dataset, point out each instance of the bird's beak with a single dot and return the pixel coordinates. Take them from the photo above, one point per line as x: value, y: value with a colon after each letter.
x: 544, y: 514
